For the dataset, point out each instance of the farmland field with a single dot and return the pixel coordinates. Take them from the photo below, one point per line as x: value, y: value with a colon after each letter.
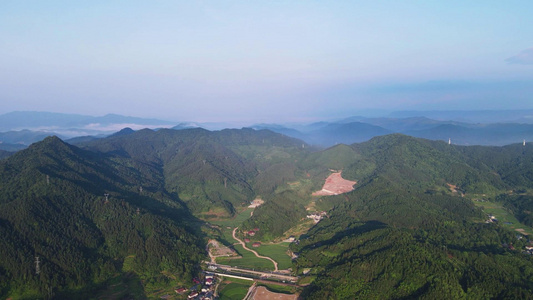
x: 234, y: 290
x: 505, y: 217
x: 277, y: 252
x: 248, y: 260
x: 235, y: 221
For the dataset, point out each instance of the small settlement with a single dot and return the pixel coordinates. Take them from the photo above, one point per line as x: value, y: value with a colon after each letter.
x: 316, y: 217
x: 200, y: 291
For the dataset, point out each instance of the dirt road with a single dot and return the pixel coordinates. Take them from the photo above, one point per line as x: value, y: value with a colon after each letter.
x: 254, y: 252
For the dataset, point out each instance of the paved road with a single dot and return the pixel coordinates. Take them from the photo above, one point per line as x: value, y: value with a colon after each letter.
x: 254, y: 252
x: 248, y: 273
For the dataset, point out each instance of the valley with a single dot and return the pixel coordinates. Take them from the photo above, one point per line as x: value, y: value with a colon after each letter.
x: 135, y: 215
x: 255, y: 150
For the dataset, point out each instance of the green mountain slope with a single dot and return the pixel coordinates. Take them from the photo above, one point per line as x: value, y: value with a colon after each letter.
x: 52, y: 206
x: 4, y: 154
x: 208, y: 170
x: 403, y: 234
x: 409, y: 229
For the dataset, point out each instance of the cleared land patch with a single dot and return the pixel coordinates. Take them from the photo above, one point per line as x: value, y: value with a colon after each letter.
x: 218, y: 250
x: 262, y: 293
x: 335, y: 185
x: 256, y: 203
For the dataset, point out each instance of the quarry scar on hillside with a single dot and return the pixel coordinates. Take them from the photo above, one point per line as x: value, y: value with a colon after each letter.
x: 335, y: 185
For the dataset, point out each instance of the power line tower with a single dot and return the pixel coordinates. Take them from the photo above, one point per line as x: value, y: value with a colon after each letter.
x: 106, y: 198
x: 37, y: 267
x: 48, y: 179
x: 449, y: 141
x: 141, y: 190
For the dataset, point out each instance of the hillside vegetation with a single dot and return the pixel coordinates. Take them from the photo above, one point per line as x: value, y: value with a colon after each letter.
x: 52, y: 206
x: 410, y: 228
x: 403, y: 234
x: 208, y: 170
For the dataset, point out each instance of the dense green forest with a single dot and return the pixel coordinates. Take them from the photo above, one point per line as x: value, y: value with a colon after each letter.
x: 209, y: 170
x: 409, y: 229
x: 52, y: 206
x: 280, y: 213
x: 4, y: 154
x: 403, y: 234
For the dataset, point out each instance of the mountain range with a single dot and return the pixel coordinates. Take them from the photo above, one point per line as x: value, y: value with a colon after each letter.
x: 23, y: 128
x: 136, y: 206
x: 358, y: 129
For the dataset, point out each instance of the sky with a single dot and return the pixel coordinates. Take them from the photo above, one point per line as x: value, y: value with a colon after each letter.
x: 264, y: 61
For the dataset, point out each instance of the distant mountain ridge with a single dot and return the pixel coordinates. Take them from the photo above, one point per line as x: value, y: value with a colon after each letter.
x: 19, y: 120
x: 455, y: 125
x: 348, y: 131
x: 26, y: 127
x: 472, y: 116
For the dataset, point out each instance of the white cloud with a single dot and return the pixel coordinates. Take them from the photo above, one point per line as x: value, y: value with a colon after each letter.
x: 117, y: 127
x: 523, y: 58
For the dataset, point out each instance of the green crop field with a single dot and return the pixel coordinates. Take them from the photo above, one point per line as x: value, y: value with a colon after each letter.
x: 234, y: 291
x: 504, y: 216
x: 227, y: 225
x: 248, y: 260
x: 277, y: 252
x: 235, y: 221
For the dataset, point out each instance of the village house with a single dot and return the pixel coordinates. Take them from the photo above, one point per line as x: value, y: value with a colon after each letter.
x: 316, y: 217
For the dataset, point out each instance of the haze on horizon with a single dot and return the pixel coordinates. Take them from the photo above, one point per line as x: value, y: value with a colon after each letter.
x: 269, y: 61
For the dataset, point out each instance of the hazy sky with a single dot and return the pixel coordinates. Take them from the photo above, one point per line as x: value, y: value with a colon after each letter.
x: 264, y: 61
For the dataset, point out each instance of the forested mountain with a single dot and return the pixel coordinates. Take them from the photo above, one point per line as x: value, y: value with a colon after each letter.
x: 479, y: 134
x: 408, y: 230
x: 52, y: 206
x: 4, y: 154
x: 495, y: 128
x: 19, y: 120
x: 360, y: 129
x: 402, y: 233
x: 471, y: 116
x: 208, y: 169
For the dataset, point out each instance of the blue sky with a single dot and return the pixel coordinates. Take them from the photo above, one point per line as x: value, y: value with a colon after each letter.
x: 264, y: 61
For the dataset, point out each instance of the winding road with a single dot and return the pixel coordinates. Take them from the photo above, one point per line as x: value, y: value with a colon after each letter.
x: 254, y: 252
